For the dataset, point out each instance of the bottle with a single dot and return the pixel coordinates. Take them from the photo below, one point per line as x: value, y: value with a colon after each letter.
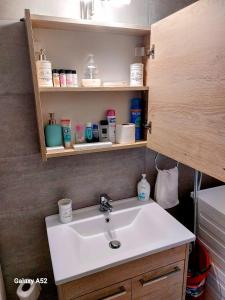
x: 103, y: 134
x: 136, y: 74
x: 69, y: 78
x: 95, y: 133
x: 74, y: 78
x: 91, y: 77
x: 135, y: 116
x: 91, y: 71
x: 88, y: 132
x: 79, y: 134
x: 111, y: 118
x: 62, y: 78
x: 55, y: 78
x: 44, y: 70
x: 53, y: 133
x: 66, y: 129
x: 143, y: 189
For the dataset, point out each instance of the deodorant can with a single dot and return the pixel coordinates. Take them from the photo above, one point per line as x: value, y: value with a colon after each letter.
x: 135, y: 116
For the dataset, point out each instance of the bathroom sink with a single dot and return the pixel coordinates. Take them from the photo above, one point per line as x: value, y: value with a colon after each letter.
x: 83, y: 246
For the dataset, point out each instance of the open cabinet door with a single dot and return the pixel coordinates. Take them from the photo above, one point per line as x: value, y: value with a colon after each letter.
x: 186, y: 77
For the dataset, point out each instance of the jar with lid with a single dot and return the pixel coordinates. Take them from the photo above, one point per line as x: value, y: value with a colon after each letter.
x: 69, y: 78
x: 62, y: 78
x: 55, y: 78
x: 74, y: 78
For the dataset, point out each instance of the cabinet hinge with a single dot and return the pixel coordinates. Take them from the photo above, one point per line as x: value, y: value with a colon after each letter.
x: 151, y: 52
x: 148, y: 127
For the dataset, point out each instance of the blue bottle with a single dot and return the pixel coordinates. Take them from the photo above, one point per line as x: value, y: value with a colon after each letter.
x: 53, y: 133
x: 95, y: 133
x: 88, y: 133
x: 135, y: 116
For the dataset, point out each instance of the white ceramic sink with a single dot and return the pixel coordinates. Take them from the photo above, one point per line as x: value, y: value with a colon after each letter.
x: 82, y: 247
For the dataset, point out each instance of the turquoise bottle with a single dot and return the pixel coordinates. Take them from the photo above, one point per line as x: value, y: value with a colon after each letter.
x: 53, y: 133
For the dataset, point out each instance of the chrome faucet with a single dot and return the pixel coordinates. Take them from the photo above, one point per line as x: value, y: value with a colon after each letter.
x: 105, y: 205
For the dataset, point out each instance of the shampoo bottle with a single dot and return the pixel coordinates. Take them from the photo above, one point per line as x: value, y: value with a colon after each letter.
x: 44, y: 70
x: 143, y: 189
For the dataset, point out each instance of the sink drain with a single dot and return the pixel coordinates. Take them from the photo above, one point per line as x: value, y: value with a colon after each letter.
x: 114, y: 244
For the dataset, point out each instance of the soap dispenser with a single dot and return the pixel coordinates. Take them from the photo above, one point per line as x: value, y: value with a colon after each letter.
x: 143, y: 189
x: 44, y: 70
x: 91, y: 75
x: 53, y: 133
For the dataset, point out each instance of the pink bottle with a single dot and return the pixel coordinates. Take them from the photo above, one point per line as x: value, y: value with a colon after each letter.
x: 79, y: 133
x: 111, y: 117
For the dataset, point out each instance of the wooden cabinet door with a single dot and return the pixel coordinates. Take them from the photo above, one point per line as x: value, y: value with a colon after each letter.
x: 165, y: 283
x: 187, y: 87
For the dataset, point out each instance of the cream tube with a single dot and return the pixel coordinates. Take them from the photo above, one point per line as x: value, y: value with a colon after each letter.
x: 66, y: 129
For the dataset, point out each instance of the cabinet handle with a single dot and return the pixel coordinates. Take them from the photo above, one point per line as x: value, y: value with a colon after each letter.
x: 158, y: 278
x: 122, y: 291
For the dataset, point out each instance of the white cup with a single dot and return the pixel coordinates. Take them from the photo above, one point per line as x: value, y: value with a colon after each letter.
x: 65, y: 210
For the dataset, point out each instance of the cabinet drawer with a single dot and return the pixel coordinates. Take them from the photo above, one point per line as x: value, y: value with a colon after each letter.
x: 119, y: 291
x: 163, y: 283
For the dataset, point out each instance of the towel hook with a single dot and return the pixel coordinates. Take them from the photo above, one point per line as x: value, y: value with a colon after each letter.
x: 156, y: 157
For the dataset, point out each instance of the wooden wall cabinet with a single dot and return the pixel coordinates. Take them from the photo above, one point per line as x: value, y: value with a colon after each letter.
x: 160, y: 276
x: 186, y: 80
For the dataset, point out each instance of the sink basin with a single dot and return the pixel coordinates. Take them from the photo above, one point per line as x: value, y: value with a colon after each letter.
x: 81, y: 247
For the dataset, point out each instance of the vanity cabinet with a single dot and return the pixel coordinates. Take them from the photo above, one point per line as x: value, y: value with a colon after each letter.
x: 184, y: 83
x: 160, y: 276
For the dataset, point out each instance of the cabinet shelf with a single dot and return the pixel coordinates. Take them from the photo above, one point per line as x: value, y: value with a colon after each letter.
x: 59, y: 23
x: 69, y: 152
x: 92, y: 89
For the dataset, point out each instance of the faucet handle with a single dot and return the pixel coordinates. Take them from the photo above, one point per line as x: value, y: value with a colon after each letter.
x: 105, y: 202
x: 105, y: 198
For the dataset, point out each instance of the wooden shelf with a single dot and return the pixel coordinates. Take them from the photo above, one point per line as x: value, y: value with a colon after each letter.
x: 49, y: 22
x: 92, y: 89
x: 69, y: 152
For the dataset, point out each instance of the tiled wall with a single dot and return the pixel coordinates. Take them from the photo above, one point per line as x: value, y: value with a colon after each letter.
x: 29, y: 188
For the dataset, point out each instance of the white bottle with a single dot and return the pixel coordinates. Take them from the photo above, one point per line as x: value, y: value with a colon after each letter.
x: 111, y: 117
x: 136, y: 74
x: 44, y: 70
x: 143, y: 189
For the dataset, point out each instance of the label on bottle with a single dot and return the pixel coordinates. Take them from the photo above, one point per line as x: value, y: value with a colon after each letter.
x: 89, y: 134
x: 44, y: 73
x: 136, y: 74
x: 141, y: 196
x: 112, y: 128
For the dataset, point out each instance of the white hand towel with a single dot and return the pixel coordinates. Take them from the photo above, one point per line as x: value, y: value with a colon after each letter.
x: 166, y: 188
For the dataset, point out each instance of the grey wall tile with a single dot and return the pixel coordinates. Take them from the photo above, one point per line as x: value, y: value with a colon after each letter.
x: 14, y: 59
x: 35, y: 184
x: 18, y: 124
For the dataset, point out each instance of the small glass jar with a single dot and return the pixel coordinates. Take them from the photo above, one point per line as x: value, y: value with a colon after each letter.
x: 55, y: 78
x: 62, y: 78
x: 74, y: 78
x: 69, y: 78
